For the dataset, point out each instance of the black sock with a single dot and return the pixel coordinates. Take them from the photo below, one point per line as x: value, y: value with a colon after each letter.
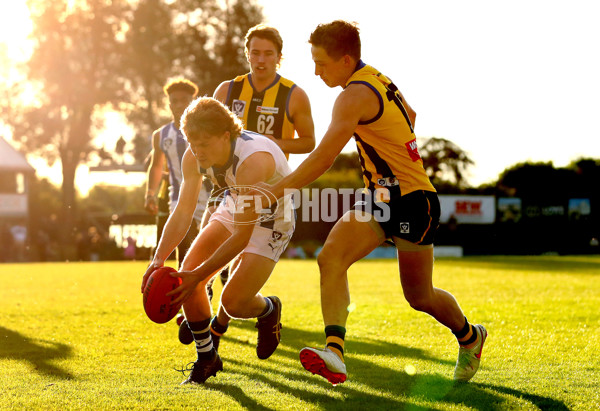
x: 201, y: 332
x: 467, y: 335
x: 217, y: 328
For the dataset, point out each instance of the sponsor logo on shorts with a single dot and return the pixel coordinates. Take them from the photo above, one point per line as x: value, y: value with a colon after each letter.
x: 404, y: 228
x: 275, y: 242
x: 276, y: 236
x: 238, y: 107
x: 267, y: 110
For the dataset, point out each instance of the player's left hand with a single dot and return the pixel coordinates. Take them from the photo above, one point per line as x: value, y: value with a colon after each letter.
x: 190, y: 280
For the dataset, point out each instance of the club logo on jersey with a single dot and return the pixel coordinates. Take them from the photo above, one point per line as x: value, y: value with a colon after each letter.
x: 238, y: 107
x: 267, y: 110
x: 404, y: 228
x: 413, y: 150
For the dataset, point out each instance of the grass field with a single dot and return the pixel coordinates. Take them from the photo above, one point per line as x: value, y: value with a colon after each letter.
x: 75, y: 336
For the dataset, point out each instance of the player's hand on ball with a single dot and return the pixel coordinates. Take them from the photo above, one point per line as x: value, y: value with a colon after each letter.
x: 153, y: 266
x: 190, y: 280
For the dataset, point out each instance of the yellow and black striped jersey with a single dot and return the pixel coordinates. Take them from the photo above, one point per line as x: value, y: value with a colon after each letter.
x: 386, y: 144
x: 265, y: 112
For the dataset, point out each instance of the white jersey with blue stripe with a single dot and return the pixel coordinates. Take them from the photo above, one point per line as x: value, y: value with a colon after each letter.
x: 173, y: 145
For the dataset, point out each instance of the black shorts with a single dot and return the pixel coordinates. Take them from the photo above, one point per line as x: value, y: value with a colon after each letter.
x: 414, y: 217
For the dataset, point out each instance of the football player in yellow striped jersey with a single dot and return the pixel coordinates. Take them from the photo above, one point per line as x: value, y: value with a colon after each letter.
x: 371, y: 109
x: 266, y: 102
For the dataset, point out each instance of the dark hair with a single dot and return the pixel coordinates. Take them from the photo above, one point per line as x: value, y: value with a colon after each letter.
x: 205, y: 115
x: 262, y: 31
x: 338, y: 38
x: 181, y: 84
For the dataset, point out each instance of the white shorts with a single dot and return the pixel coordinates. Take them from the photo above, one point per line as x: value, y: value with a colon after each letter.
x: 269, y: 238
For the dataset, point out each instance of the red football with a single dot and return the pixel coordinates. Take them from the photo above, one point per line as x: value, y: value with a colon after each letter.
x: 156, y: 303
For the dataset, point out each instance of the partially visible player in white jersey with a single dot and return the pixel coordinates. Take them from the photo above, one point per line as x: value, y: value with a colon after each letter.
x: 168, y: 147
x: 233, y: 159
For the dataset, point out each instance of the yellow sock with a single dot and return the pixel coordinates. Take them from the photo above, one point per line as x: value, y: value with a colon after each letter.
x: 335, y: 339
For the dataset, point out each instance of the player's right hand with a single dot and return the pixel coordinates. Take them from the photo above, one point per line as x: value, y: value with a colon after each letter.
x: 153, y: 266
x: 151, y: 204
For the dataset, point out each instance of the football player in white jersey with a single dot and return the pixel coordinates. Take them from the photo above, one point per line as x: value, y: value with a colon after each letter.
x: 233, y: 159
x: 168, y: 146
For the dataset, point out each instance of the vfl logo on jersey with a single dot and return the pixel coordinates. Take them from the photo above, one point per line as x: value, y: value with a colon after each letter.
x: 238, y: 107
x: 267, y: 110
x: 413, y: 150
x: 404, y: 228
x: 167, y: 142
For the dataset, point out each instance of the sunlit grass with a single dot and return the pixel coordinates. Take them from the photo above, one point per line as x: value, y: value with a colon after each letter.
x: 74, y: 335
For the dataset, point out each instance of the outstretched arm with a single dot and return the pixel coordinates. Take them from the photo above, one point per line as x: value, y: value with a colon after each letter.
x: 180, y: 220
x: 353, y: 104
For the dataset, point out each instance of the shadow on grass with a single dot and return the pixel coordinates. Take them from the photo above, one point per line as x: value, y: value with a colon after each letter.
x: 238, y: 395
x: 394, y: 388
x: 543, y: 403
x: 39, y: 353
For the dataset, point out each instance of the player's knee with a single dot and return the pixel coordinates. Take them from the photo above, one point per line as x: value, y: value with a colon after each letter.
x: 234, y: 307
x: 329, y: 258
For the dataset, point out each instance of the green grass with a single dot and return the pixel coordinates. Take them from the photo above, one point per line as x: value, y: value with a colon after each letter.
x: 74, y: 336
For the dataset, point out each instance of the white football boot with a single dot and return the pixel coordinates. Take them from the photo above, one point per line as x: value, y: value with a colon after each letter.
x: 325, y: 363
x: 469, y: 358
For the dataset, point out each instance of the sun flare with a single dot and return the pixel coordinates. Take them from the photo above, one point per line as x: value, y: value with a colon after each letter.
x: 16, y: 26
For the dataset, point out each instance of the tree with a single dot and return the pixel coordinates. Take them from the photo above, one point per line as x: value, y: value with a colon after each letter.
x: 76, y: 52
x: 542, y: 180
x: 95, y: 55
x: 443, y: 158
x: 536, y: 181
x: 200, y: 40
